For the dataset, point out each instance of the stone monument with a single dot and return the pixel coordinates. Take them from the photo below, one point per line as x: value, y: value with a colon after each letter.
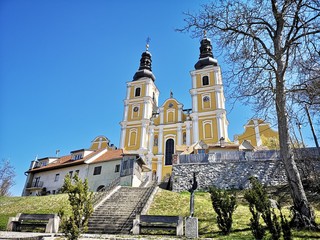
x: 192, y: 222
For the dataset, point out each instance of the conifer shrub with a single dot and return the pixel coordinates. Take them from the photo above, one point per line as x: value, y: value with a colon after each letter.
x: 224, y: 205
x: 80, y: 200
x: 259, y: 202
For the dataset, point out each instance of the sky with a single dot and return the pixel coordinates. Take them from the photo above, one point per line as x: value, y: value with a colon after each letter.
x: 64, y: 65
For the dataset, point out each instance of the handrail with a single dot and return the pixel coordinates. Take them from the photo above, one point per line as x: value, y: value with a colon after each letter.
x: 103, y: 192
x: 140, y: 205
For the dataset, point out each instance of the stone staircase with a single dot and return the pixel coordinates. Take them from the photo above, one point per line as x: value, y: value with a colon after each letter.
x: 116, y: 214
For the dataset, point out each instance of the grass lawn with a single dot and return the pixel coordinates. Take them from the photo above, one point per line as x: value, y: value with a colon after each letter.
x: 170, y: 203
x: 165, y: 203
x: 10, y: 206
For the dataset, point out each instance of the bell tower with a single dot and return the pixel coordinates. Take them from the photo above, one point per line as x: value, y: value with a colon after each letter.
x: 141, y: 98
x: 208, y: 103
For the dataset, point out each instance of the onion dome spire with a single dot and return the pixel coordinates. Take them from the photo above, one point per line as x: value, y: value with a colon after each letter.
x: 206, y: 56
x: 145, y: 65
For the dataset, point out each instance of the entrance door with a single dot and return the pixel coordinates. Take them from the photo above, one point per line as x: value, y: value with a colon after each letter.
x: 169, y: 151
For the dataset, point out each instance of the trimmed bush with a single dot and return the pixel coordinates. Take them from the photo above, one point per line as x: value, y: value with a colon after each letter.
x: 224, y: 205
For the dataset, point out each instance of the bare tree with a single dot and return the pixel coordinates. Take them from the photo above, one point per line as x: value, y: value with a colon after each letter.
x: 7, y: 175
x: 264, y: 40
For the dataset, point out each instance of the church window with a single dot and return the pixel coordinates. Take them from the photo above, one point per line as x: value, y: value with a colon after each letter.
x: 205, y: 80
x: 155, y: 140
x: 97, y: 170
x: 132, y: 137
x: 169, y: 151
x: 170, y: 105
x: 207, y: 129
x: 170, y: 115
x: 137, y: 92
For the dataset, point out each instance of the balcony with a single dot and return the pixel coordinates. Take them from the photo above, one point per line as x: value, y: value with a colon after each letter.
x: 35, y: 185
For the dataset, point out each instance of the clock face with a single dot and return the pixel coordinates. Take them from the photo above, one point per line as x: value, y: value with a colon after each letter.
x: 206, y: 99
x: 135, y: 109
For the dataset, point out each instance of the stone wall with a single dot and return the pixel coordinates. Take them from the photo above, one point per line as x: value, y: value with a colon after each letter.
x: 229, y: 174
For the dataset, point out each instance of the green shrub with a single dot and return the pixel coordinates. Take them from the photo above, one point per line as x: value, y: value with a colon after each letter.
x: 80, y: 199
x: 224, y: 205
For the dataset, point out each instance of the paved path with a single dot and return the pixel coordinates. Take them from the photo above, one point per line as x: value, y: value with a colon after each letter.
x: 48, y: 236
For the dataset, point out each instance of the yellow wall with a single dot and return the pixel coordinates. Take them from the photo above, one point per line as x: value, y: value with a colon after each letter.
x: 132, y: 90
x: 212, y: 102
x: 128, y: 146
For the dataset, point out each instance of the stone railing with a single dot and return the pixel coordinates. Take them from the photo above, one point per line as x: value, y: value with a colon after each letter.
x: 243, y: 156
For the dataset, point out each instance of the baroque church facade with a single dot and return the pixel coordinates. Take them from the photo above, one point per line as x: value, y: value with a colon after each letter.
x: 154, y: 136
x: 156, y: 132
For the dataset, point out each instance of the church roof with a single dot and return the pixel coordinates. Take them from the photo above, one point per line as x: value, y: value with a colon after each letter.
x: 206, y: 56
x: 145, y: 67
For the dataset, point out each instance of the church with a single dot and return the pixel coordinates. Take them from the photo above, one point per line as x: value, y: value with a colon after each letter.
x: 158, y: 131
x: 154, y: 135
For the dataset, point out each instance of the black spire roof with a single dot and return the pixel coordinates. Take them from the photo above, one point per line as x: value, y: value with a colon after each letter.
x: 206, y: 55
x: 145, y: 66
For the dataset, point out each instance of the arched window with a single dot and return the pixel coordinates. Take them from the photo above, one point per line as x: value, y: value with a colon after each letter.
x: 169, y: 151
x: 205, y: 80
x: 100, y: 188
x: 184, y: 137
x: 137, y: 92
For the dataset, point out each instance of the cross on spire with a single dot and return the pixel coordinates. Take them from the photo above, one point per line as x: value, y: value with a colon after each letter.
x: 147, y: 43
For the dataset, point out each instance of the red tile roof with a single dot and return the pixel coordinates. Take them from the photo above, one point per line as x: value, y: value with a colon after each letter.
x: 110, y: 155
x: 65, y: 161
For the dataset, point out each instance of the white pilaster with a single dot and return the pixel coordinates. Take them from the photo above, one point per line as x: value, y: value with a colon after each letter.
x: 128, y: 91
x: 125, y: 113
x: 195, y: 126
x: 145, y: 109
x: 179, y: 133
x: 188, y: 136
x: 220, y: 126
x: 159, y: 168
x: 217, y: 77
x: 257, y: 132
x: 218, y: 99
x: 151, y: 138
x: 123, y: 134
x: 180, y: 112
x: 161, y: 115
x: 194, y: 100
x: 160, y: 140
x: 143, y: 136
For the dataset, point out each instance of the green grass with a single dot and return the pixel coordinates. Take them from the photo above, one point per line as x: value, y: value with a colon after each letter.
x: 170, y: 203
x: 165, y: 203
x: 10, y: 206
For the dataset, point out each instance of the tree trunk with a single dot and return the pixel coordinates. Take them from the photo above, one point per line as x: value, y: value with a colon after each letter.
x: 303, y: 215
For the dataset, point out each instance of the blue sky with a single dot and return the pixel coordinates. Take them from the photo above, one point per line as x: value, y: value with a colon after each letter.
x: 64, y: 67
